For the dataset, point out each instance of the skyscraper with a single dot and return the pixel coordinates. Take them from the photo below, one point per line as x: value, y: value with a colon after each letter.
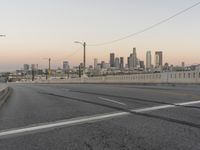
x: 128, y: 62
x: 112, y: 60
x: 131, y: 59
x: 95, y: 63
x: 158, y: 59
x: 117, y: 65
x: 121, y: 63
x: 148, y: 60
x: 134, y: 58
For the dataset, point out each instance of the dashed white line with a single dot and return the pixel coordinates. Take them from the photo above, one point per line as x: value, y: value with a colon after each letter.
x: 81, y: 120
x: 110, y: 100
x: 153, y: 108
x: 188, y: 103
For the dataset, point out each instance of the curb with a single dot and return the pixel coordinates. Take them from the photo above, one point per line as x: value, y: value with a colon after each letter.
x: 4, y: 94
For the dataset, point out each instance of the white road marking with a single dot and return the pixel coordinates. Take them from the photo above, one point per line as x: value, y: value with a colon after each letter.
x: 188, y: 103
x: 113, y: 101
x: 82, y: 120
x: 70, y: 122
x: 153, y: 108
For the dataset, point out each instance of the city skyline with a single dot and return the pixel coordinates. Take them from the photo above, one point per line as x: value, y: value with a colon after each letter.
x: 40, y: 32
x: 153, y: 59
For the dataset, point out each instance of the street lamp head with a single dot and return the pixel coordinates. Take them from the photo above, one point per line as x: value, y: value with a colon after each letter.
x: 78, y: 42
x: 2, y: 35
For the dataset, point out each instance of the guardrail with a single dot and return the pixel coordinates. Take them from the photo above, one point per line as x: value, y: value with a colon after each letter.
x: 4, y: 93
x: 190, y: 77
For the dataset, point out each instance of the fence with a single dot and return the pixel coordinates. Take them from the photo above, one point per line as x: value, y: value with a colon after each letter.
x: 4, y: 92
x: 165, y: 77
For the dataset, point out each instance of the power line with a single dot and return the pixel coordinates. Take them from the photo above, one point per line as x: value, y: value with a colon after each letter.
x: 70, y: 55
x: 148, y: 28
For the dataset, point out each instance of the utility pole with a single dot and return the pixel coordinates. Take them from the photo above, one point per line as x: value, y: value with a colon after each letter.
x: 33, y: 74
x: 79, y: 71
x: 49, y: 68
x: 84, y: 55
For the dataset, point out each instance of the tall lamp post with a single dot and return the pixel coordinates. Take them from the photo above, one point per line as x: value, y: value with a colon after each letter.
x: 84, y: 54
x: 2, y: 35
x: 49, y: 69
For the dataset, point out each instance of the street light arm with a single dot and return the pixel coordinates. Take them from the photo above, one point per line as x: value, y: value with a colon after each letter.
x: 78, y: 42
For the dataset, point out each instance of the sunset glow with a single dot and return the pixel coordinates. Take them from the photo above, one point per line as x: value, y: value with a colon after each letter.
x: 38, y: 29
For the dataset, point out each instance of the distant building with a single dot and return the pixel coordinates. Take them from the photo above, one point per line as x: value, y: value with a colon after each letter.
x: 183, y: 64
x: 142, y: 66
x: 197, y: 67
x: 128, y: 62
x: 95, y: 63
x: 134, y: 58
x: 148, y: 61
x: 107, y: 65
x: 133, y: 61
x: 126, y: 66
x: 112, y: 60
x: 103, y: 64
x: 66, y: 66
x: 166, y: 67
x: 98, y: 67
x: 26, y: 67
x: 158, y: 59
x: 121, y: 63
x: 90, y: 67
x: 34, y: 66
x: 117, y: 64
x: 81, y: 65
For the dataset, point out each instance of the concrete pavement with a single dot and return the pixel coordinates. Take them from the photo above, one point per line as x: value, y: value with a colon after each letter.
x: 73, y: 116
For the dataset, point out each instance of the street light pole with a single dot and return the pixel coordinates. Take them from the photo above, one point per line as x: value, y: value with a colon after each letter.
x: 84, y: 54
x: 49, y: 66
x: 49, y: 69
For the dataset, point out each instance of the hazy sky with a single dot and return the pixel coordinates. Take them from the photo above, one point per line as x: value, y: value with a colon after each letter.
x: 37, y: 29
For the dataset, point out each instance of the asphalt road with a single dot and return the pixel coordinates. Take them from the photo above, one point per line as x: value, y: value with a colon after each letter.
x: 101, y: 117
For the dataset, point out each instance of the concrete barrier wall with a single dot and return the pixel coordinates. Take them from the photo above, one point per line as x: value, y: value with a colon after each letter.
x: 166, y: 77
x: 4, y: 90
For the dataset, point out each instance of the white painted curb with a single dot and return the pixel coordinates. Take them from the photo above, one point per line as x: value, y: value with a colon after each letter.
x: 4, y: 93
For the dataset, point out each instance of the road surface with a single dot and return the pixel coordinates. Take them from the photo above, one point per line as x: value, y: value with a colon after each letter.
x: 101, y: 117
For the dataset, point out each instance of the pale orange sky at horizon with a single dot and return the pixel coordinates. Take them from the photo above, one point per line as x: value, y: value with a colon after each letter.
x: 33, y: 31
